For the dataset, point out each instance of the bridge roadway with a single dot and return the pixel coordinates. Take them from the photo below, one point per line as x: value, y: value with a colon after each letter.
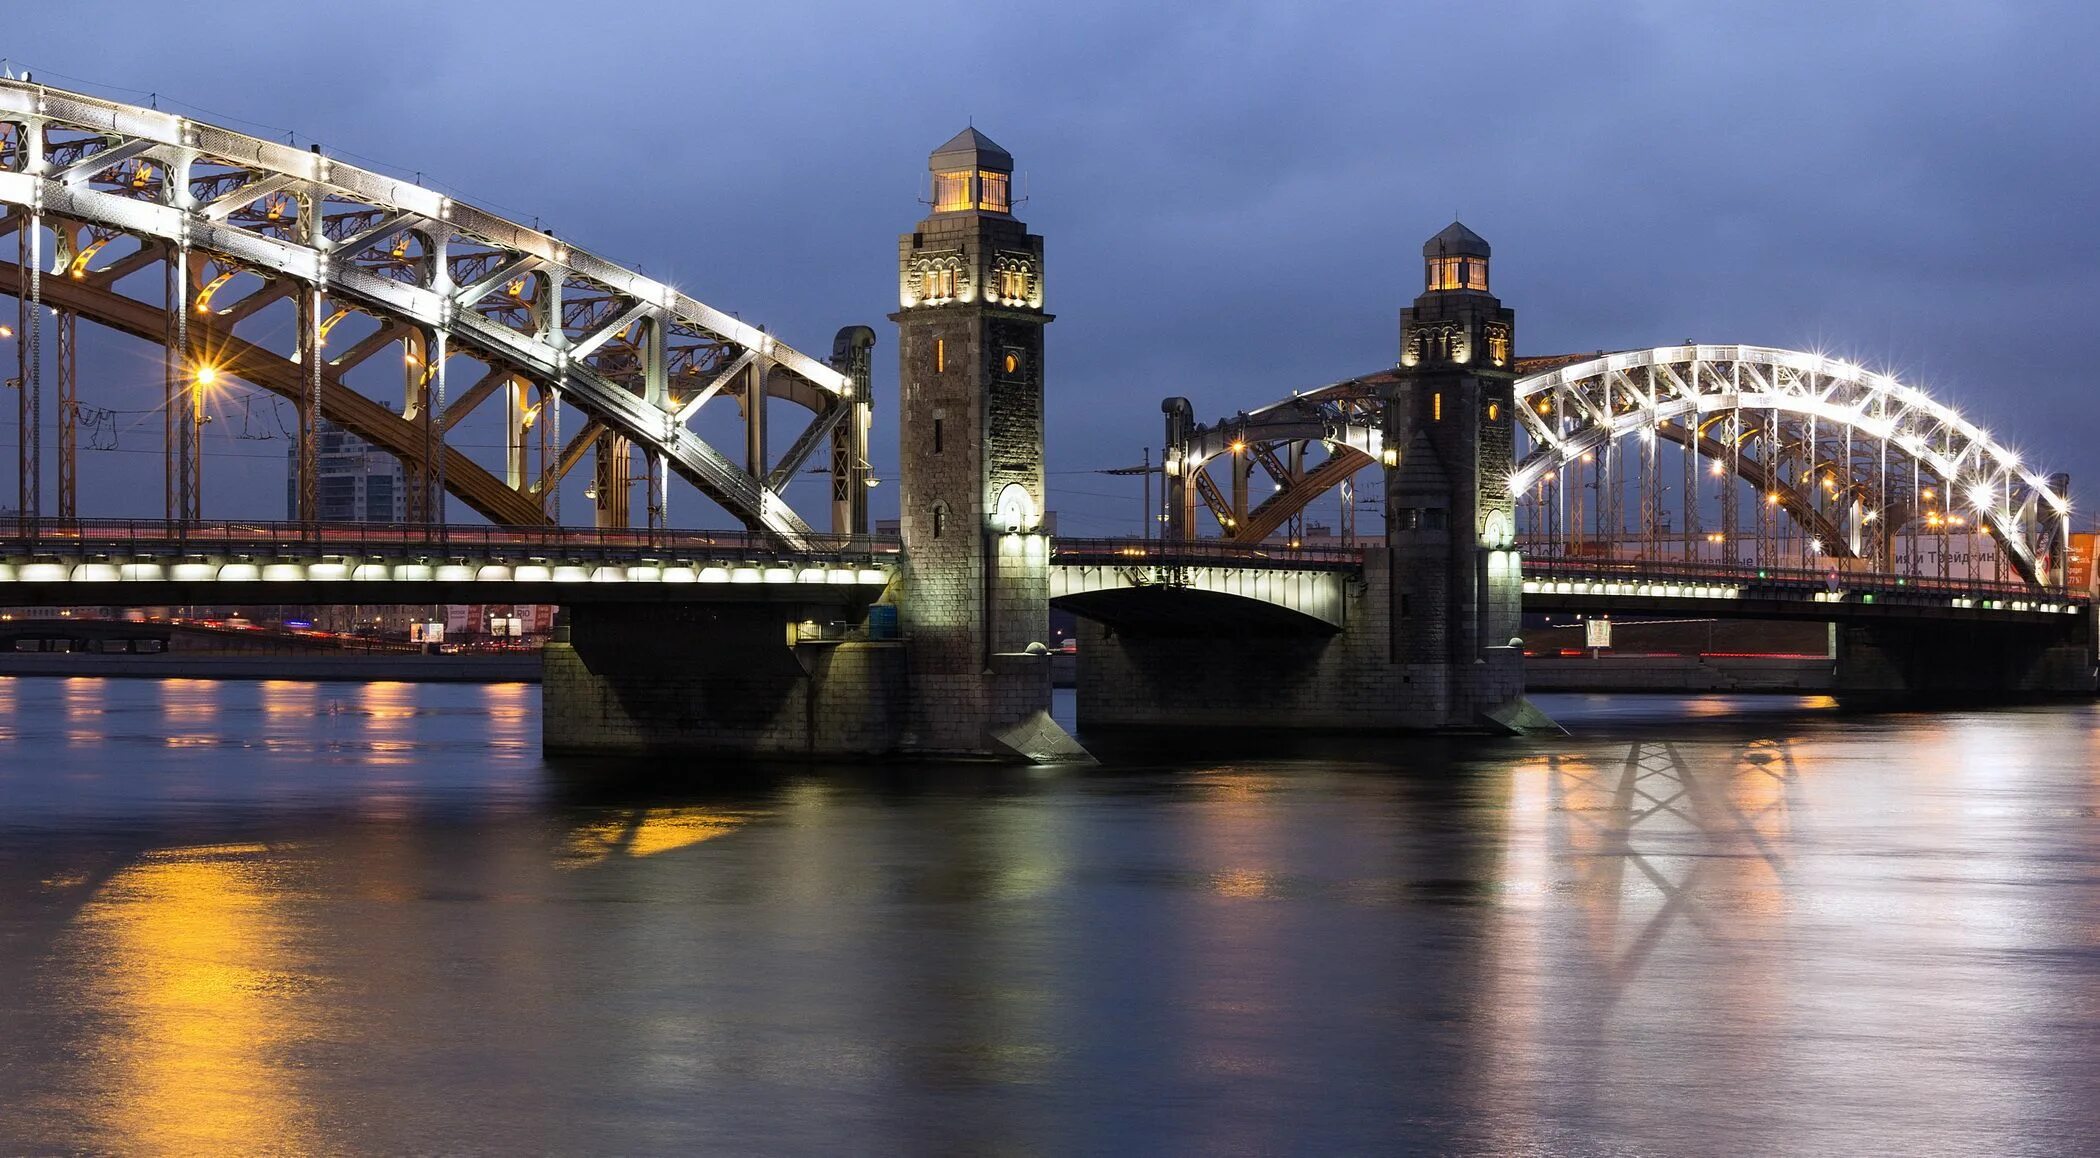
x: 110, y: 562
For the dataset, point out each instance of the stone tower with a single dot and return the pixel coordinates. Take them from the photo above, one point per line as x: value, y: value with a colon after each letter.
x: 1450, y: 518
x: 975, y: 589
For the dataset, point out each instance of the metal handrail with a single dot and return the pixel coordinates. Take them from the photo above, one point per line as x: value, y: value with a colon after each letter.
x: 1746, y: 574
x: 1182, y: 551
x: 73, y: 536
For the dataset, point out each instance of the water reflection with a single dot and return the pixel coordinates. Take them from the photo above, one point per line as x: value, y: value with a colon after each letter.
x: 385, y: 926
x: 200, y: 996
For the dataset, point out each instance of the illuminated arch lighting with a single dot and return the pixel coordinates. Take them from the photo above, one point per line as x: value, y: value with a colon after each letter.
x: 1971, y: 446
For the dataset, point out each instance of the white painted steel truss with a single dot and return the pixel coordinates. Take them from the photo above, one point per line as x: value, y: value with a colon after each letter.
x: 444, y: 278
x: 1850, y: 455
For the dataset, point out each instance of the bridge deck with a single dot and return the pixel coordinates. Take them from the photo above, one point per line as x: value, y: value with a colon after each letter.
x: 110, y: 562
x: 1605, y: 586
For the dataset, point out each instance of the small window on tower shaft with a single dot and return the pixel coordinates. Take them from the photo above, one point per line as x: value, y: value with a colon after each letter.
x: 936, y: 436
x: 940, y: 519
x: 1012, y: 363
x: 1436, y: 407
x: 940, y: 355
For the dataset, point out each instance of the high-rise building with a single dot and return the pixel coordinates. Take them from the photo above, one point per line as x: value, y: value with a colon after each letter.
x: 355, y: 483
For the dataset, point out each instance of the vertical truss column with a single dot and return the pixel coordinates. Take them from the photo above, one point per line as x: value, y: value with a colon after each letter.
x: 1689, y: 499
x: 653, y: 489
x: 852, y: 355
x: 1348, y: 496
x: 308, y: 406
x: 195, y: 412
x: 1242, y: 466
x: 430, y: 348
x: 613, y: 480
x: 550, y: 401
x: 755, y: 422
x: 1297, y: 473
x: 183, y: 395
x: 1178, y: 493
x: 29, y: 368
x: 1731, y: 487
x: 518, y: 420
x: 68, y: 324
x: 415, y: 406
x: 656, y: 390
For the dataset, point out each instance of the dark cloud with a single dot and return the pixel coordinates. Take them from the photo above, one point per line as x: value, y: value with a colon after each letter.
x: 1233, y: 193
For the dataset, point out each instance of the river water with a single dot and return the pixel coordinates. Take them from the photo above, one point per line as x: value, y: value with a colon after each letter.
x: 315, y: 918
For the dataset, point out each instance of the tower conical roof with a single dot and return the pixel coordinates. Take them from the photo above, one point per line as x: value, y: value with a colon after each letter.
x: 971, y: 149
x: 1456, y: 241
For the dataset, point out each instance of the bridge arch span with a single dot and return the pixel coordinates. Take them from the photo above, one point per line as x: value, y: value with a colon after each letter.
x: 637, y: 358
x: 1848, y: 455
x: 1200, y: 600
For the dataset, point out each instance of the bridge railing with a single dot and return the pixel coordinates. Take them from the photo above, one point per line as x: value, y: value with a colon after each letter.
x: 162, y: 536
x: 1751, y: 575
x: 1186, y: 552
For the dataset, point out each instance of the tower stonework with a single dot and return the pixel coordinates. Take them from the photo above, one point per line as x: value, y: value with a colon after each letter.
x: 1456, y: 586
x: 974, y: 594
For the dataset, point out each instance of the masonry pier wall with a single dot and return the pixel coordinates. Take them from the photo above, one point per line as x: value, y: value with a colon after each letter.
x: 726, y: 679
x: 1221, y: 676
x: 1904, y: 662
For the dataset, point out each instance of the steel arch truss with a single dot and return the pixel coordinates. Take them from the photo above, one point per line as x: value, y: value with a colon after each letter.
x: 1851, y: 455
x: 1848, y: 455
x: 547, y: 325
x: 1305, y: 445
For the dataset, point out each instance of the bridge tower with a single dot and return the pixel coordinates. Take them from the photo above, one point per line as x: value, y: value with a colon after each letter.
x: 974, y: 596
x: 1450, y: 518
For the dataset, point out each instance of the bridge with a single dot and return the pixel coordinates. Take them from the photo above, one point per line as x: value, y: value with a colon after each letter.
x: 1804, y: 486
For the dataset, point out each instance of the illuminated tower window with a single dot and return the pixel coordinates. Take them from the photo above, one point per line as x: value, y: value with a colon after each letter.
x: 1458, y: 273
x: 951, y: 191
x: 940, y: 355
x: 991, y: 191
x: 1456, y: 259
x: 970, y: 172
x: 1013, y: 284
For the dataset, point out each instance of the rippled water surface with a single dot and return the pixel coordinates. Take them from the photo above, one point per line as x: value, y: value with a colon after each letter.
x: 332, y: 917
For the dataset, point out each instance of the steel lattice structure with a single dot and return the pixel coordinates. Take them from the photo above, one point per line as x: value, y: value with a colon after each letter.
x: 96, y: 191
x: 1850, y: 457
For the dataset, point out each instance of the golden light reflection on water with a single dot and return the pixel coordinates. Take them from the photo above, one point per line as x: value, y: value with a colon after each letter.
x: 387, y: 703
x: 643, y: 832
x: 189, y: 700
x: 196, y: 965
x: 294, y: 699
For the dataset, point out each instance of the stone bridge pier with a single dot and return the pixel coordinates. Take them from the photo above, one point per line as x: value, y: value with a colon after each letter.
x: 1177, y: 657
x: 1428, y: 630
x: 967, y: 675
x: 1919, y: 662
